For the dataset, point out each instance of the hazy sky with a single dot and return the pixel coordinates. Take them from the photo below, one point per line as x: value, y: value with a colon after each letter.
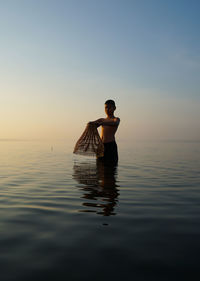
x: 60, y: 60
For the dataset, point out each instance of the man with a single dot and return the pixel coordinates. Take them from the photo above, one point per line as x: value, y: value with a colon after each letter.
x: 109, y: 127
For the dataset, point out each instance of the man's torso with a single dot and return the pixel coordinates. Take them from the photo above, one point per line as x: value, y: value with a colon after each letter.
x: 108, y: 132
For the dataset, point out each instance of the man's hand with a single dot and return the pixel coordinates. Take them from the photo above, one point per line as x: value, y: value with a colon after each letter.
x: 92, y: 123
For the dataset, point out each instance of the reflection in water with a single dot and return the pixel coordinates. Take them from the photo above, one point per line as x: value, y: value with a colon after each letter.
x: 99, y: 186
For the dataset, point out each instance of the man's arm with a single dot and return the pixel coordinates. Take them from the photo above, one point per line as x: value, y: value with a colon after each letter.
x: 104, y: 122
x: 114, y: 122
x: 97, y: 122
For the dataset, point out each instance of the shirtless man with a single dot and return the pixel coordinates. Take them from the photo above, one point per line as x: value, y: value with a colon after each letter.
x: 109, y: 128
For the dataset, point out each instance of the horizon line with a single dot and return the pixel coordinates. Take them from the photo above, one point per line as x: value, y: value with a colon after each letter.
x: 119, y: 140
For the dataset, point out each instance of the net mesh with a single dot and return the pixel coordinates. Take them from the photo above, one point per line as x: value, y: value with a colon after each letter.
x: 90, y: 143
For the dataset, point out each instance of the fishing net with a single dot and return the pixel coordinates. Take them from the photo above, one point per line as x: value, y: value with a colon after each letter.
x: 90, y: 143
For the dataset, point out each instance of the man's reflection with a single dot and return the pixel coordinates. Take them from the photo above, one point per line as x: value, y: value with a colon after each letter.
x: 99, y: 186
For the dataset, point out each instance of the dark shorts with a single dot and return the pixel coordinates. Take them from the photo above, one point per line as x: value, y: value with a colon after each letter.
x: 110, y: 152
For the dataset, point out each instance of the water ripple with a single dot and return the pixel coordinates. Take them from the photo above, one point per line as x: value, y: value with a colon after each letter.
x: 63, y: 217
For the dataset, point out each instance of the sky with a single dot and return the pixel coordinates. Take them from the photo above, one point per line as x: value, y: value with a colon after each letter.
x: 61, y: 60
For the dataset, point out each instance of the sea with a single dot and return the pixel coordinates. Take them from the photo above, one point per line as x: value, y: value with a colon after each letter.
x: 69, y: 217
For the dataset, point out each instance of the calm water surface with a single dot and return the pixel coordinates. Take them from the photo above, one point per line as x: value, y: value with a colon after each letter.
x: 66, y: 217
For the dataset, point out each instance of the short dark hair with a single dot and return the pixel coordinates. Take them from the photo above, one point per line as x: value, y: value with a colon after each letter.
x: 111, y: 102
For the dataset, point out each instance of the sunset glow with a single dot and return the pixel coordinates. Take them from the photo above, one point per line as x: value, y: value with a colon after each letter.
x: 60, y: 61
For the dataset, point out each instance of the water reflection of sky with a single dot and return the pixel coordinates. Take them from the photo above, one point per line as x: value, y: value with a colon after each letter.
x: 98, y: 183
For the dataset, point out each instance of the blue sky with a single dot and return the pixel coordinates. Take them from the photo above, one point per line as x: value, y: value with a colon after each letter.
x: 60, y: 60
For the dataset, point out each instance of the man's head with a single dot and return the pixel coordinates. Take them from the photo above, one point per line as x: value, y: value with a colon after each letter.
x: 110, y: 107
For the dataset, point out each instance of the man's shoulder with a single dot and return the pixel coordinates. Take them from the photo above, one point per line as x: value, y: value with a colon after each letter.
x: 117, y: 119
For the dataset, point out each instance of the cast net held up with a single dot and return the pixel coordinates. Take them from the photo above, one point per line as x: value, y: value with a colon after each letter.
x: 90, y: 143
